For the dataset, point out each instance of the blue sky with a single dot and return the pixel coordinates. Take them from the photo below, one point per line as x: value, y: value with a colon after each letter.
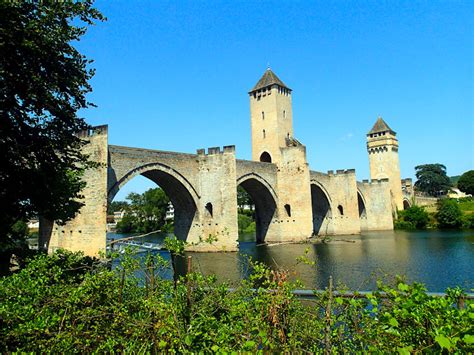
x: 175, y: 76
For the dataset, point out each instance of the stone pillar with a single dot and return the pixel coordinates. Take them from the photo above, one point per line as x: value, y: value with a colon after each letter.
x: 293, y: 220
x: 87, y: 231
x: 218, y: 201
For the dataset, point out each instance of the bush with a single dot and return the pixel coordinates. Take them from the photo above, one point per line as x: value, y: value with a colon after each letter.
x: 449, y: 214
x: 416, y: 216
x: 398, y: 224
x: 68, y: 304
x: 468, y: 221
x: 244, y: 222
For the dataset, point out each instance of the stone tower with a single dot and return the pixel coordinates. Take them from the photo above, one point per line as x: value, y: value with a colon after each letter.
x: 382, y: 146
x: 271, y: 118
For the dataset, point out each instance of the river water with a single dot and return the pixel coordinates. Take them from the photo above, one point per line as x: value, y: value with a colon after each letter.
x: 439, y: 259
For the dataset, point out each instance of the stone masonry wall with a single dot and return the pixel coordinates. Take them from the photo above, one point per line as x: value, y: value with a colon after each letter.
x: 87, y: 232
x: 378, y: 204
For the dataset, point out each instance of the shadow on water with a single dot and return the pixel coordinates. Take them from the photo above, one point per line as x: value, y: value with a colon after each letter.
x: 437, y: 259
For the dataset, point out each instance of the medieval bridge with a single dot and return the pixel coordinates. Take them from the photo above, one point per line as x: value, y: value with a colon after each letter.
x: 292, y: 203
x: 203, y: 190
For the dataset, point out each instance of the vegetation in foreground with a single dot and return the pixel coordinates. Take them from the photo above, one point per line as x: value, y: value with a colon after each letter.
x: 68, y: 303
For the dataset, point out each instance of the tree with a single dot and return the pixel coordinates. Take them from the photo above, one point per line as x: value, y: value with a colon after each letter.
x: 117, y: 206
x: 43, y: 84
x: 416, y: 216
x: 466, y: 182
x: 243, y: 199
x: 432, y: 179
x: 146, y: 212
x: 449, y: 214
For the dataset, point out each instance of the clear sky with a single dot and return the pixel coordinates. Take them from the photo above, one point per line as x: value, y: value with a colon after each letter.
x: 175, y: 76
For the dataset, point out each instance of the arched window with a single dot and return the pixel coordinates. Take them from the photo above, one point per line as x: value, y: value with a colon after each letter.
x: 265, y: 158
x: 209, y: 208
x: 341, y: 210
x: 284, y: 114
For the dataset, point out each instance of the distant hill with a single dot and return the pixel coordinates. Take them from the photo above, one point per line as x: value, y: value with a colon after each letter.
x: 454, y: 179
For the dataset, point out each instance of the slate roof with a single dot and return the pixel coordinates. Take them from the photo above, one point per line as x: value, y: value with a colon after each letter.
x: 381, y: 126
x: 269, y: 78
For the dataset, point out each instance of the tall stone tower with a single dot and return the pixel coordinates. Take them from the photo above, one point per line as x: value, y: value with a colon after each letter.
x: 271, y: 118
x: 382, y: 146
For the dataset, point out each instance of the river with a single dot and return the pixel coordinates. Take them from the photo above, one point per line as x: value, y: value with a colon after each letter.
x: 439, y: 259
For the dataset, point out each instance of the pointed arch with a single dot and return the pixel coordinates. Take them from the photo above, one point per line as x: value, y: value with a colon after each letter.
x: 182, y: 194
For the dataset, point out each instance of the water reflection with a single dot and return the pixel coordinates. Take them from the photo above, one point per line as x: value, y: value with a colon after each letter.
x: 438, y: 259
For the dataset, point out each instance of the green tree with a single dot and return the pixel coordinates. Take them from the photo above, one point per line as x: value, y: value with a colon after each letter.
x: 43, y: 85
x: 466, y: 182
x: 244, y: 199
x: 146, y: 212
x: 432, y: 179
x: 449, y: 214
x: 416, y: 216
x: 117, y: 206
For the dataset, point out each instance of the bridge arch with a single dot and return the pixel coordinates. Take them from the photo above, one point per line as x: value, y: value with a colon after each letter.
x: 265, y: 200
x: 182, y: 194
x: 361, y: 203
x: 321, y: 208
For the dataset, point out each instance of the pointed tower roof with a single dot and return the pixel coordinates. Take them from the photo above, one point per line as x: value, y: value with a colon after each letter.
x: 269, y: 78
x: 381, y: 126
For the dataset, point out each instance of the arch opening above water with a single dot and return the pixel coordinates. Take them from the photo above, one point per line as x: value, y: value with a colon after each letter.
x: 265, y: 204
x: 361, y: 204
x: 321, y: 208
x: 178, y: 190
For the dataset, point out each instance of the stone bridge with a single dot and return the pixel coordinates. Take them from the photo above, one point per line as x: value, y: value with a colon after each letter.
x: 292, y: 203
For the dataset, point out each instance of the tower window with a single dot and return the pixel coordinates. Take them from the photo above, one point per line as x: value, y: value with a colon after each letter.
x: 264, y: 134
x: 288, y: 210
x: 263, y: 115
x: 284, y: 114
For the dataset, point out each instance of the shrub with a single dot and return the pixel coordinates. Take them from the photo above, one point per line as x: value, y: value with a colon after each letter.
x: 67, y: 304
x: 416, y: 216
x: 398, y: 224
x: 468, y: 221
x: 244, y: 222
x: 449, y: 214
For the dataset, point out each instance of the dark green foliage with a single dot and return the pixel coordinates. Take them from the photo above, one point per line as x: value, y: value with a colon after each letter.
x: 400, y: 224
x: 246, y: 223
x: 145, y: 212
x: 67, y: 304
x: 432, y: 179
x: 454, y: 180
x: 43, y: 83
x: 466, y: 182
x: 468, y: 221
x: 449, y: 214
x: 414, y: 217
x: 117, y: 206
x: 244, y: 199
